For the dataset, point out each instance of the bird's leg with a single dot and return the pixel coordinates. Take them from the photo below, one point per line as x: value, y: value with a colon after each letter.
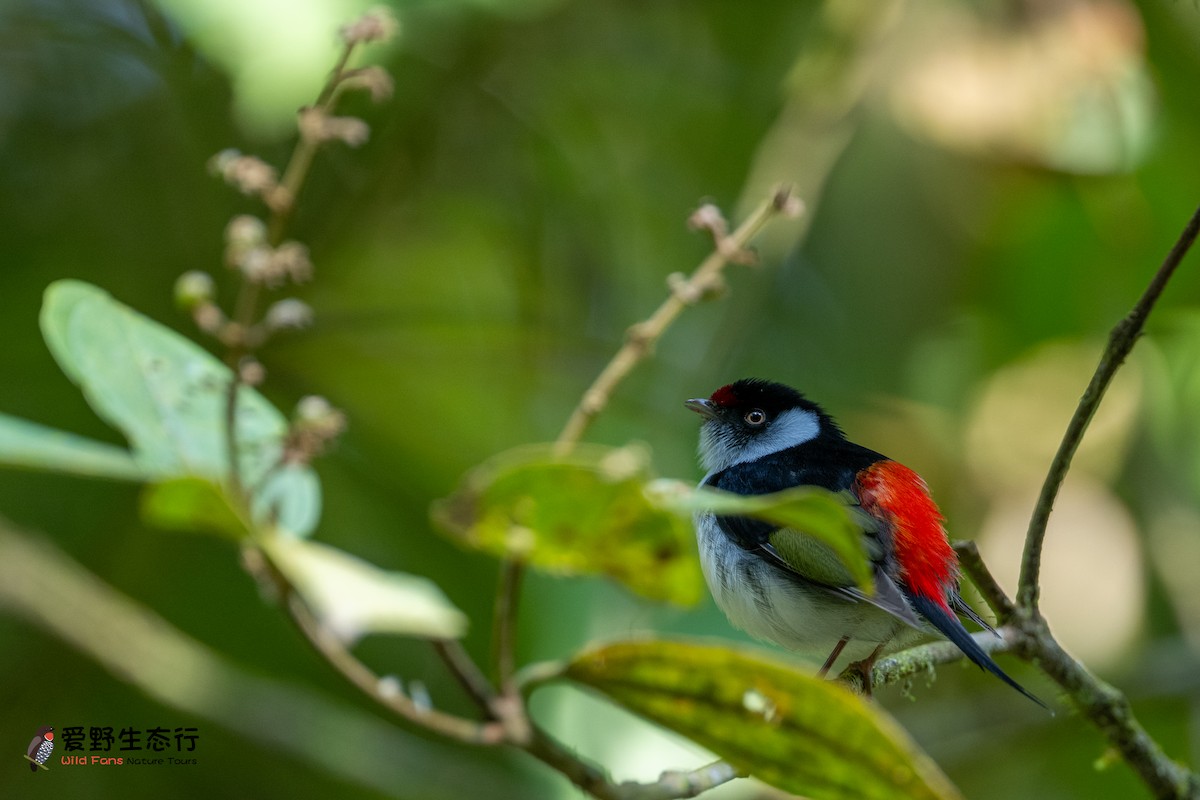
x: 864, y: 668
x: 837, y: 651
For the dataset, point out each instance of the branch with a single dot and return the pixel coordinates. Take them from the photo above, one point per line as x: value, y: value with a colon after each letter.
x: 641, y: 338
x: 1120, y: 343
x: 1109, y: 710
x: 466, y: 672
x: 133, y: 644
x: 991, y: 591
x: 504, y: 623
x: 1028, y: 635
x: 591, y: 779
x: 905, y: 664
x: 385, y: 693
x: 1106, y: 707
x: 1029, y: 638
x: 280, y: 200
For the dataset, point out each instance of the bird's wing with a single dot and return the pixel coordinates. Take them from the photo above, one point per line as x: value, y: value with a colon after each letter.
x: 820, y: 567
x: 815, y: 562
x: 33, y: 746
x: 805, y: 557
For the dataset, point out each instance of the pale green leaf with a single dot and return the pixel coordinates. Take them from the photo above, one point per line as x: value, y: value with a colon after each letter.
x: 290, y: 499
x: 353, y: 598
x: 168, y: 396
x: 27, y: 445
x: 583, y: 513
x: 794, y: 731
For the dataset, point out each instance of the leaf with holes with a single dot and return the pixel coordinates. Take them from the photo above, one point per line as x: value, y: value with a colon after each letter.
x: 168, y: 396
x: 799, y: 733
x: 583, y: 513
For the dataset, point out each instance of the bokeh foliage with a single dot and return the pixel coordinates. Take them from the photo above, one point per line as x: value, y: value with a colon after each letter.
x: 520, y: 202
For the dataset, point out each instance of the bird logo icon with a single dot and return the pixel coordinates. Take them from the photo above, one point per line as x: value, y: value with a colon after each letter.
x: 40, y: 748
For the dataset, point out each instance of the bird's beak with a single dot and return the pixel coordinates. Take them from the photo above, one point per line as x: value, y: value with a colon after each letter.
x: 702, y: 406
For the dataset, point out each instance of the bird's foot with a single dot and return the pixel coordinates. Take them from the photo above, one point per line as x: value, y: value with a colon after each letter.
x: 864, y: 668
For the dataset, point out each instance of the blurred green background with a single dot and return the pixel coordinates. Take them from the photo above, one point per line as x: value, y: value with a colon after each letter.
x: 989, y: 188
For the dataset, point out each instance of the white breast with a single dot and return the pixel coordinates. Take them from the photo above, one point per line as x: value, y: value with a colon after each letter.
x: 769, y: 605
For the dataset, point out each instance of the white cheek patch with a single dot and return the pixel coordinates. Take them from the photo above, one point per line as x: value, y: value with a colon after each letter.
x: 792, y: 427
x: 714, y: 453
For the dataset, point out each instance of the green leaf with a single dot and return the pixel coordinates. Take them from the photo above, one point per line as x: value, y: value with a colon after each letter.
x: 812, y: 511
x: 583, y: 513
x: 192, y: 504
x: 801, y: 734
x: 166, y: 394
x: 353, y: 598
x: 28, y: 445
x: 290, y: 499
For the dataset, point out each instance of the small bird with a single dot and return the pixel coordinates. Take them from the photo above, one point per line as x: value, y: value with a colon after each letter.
x: 40, y: 747
x: 783, y: 586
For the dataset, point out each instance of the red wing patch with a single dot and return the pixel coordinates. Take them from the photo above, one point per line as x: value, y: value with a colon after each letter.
x: 895, y: 494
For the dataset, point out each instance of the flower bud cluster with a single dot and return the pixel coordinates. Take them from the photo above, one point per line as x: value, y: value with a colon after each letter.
x: 248, y: 251
x: 250, y: 175
x: 318, y: 126
x: 315, y: 425
x: 374, y: 80
x: 376, y: 25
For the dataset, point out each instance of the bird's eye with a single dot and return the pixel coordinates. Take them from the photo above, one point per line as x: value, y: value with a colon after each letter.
x: 755, y: 417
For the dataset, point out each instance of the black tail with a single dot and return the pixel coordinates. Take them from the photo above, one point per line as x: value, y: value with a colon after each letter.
x: 953, y: 630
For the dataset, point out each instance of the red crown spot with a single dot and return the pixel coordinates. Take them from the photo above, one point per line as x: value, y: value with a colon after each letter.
x: 725, y: 397
x: 894, y: 493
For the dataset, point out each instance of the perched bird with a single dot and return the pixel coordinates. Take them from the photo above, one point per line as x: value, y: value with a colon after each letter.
x: 783, y: 586
x: 40, y: 747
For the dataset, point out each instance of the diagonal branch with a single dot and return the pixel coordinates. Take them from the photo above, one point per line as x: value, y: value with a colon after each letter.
x: 1120, y: 343
x: 641, y: 338
x: 989, y: 588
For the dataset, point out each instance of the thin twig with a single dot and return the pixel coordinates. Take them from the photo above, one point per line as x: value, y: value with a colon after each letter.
x: 296, y: 171
x: 679, y: 783
x: 641, y: 338
x: 1120, y: 343
x: 387, y: 694
x: 246, y: 304
x: 582, y: 773
x: 282, y: 204
x: 991, y: 591
x: 670, y: 785
x: 1028, y: 634
x: 504, y: 623
x: 509, y: 705
x: 467, y: 673
x: 1109, y: 710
